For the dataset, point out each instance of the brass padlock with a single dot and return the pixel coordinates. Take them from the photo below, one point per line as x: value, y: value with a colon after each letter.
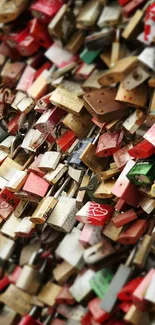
x: 67, y: 101
x: 80, y: 125
x: 88, y: 14
x: 121, y: 69
x: 63, y: 271
x: 48, y: 293
x: 136, y: 97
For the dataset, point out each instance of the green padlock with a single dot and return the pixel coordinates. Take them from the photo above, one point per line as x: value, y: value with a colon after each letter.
x: 100, y: 282
x: 142, y: 173
x: 89, y: 56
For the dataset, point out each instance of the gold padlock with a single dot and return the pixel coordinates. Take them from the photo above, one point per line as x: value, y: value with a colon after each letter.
x: 136, y: 97
x: 80, y: 125
x: 62, y: 272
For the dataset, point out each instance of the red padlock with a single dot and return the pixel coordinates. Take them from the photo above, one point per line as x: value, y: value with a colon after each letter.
x: 40, y: 33
x: 125, y: 306
x: 126, y: 292
x: 95, y: 213
x: 8, y: 203
x: 9, y: 52
x: 31, y: 319
x: 109, y: 143
x: 122, y: 219
x: 13, y: 39
x: 36, y: 185
x: 124, y: 189
x: 66, y: 140
x: 123, y: 2
x: 133, y: 232
x: 28, y: 46
x: 99, y: 314
x: 26, y: 79
x: 65, y: 297
x: 142, y: 150
x: 45, y: 9
x: 132, y: 6
x: 138, y: 294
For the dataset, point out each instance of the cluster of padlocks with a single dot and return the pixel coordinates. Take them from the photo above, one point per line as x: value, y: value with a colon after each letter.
x: 77, y: 162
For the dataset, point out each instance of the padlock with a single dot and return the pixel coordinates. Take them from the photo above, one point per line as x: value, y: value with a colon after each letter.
x: 97, y: 99
x: 124, y: 189
x: 150, y: 116
x: 81, y: 288
x: 120, y: 278
x: 62, y: 272
x: 67, y: 101
x: 11, y: 72
x: 121, y: 69
x: 134, y: 121
x: 143, y: 251
x: 25, y: 105
x: 43, y: 70
x: 48, y: 293
x: 75, y: 41
x: 89, y: 158
x: 67, y: 246
x: 142, y: 150
x: 30, y: 278
x: 122, y: 156
x: 40, y: 33
x: 142, y: 173
x: 124, y: 218
x: 36, y: 185
x: 84, y: 70
x: 12, y: 11
x: 34, y: 166
x: 100, y: 282
x: 45, y: 11
x: 46, y: 206
x: 65, y: 296
x: 90, y: 235
x: 125, y: 293
x: 26, y: 80
x: 109, y: 143
x: 147, y: 57
x: 136, y: 97
x: 49, y: 118
x: 17, y: 300
x: 20, y: 158
x: 66, y: 140
x: 111, y: 231
x: 110, y: 16
x: 50, y: 160
x: 133, y: 232
x: 135, y: 316
x: 10, y: 226
x: 31, y: 318
x: 136, y: 77
x: 95, y: 213
x: 63, y: 24
x: 63, y: 221
x: 131, y: 7
x: 54, y: 176
x: 38, y: 87
x: 100, y: 39
x: 88, y: 15
x: 99, y: 314
x: 8, y: 203
x: 91, y: 83
x: 139, y: 293
x: 17, y: 181
x: 59, y: 56
x: 89, y: 56
x: 147, y: 204
x: 98, y: 252
x: 80, y: 125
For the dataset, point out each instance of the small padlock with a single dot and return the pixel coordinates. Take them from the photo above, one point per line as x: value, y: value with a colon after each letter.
x: 48, y: 293
x: 36, y: 185
x: 63, y: 271
x: 124, y: 218
x: 94, y: 213
x: 89, y: 14
x: 134, y: 121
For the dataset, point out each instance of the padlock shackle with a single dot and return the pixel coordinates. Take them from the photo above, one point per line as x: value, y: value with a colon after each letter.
x: 57, y: 194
